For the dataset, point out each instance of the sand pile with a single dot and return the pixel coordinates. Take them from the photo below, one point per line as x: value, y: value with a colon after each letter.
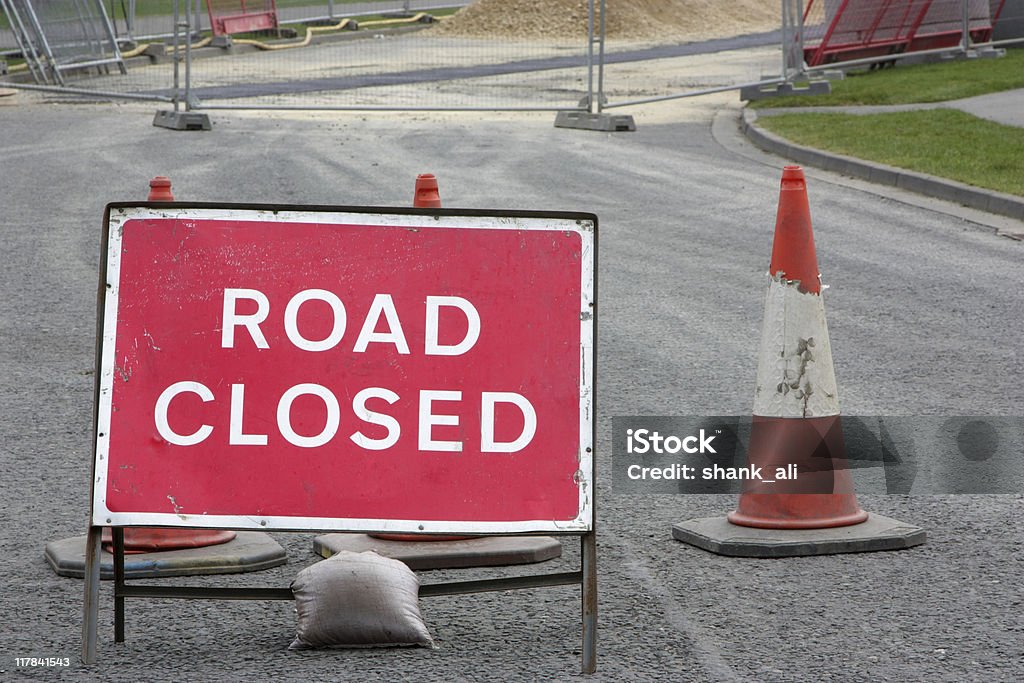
x: 641, y: 20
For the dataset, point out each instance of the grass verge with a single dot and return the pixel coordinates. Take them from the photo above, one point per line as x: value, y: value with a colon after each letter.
x: 941, y: 142
x: 908, y: 84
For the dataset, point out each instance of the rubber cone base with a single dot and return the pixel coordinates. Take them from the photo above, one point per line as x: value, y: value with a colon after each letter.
x: 719, y: 536
x: 250, y: 551
x: 486, y: 551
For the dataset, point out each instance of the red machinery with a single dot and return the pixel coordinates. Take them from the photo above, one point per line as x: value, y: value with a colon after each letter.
x: 843, y: 30
x: 228, y: 17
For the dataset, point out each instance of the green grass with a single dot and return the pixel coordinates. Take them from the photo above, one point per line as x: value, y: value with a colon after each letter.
x: 941, y: 142
x: 918, y: 83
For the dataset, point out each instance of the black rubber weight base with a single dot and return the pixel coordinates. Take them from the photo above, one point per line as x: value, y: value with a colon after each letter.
x: 488, y: 551
x: 718, y: 535
x: 250, y: 551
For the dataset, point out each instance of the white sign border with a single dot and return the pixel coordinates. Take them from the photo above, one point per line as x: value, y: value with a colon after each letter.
x: 118, y: 216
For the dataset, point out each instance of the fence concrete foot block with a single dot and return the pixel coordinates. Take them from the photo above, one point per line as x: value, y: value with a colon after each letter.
x: 488, y: 551
x: 223, y: 42
x: 760, y: 92
x: 157, y: 53
x: 182, y: 120
x: 612, y: 123
x: 250, y: 551
x: 719, y: 536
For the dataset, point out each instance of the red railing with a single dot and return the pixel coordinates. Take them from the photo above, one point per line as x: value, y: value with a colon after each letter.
x: 228, y: 17
x: 843, y: 30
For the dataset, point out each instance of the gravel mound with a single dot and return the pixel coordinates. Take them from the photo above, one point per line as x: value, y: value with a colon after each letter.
x: 640, y: 20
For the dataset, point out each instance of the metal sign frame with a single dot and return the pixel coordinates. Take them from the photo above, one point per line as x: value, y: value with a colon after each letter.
x: 583, y: 526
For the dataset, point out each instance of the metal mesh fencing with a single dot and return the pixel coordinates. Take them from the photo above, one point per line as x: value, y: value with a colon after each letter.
x: 462, y: 55
x: 69, y: 47
x: 1009, y: 25
x: 377, y: 54
x: 393, y: 55
x: 722, y: 47
x: 56, y: 37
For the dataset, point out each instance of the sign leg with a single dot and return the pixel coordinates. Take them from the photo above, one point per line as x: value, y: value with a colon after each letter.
x: 118, y: 535
x: 588, y: 547
x: 90, y: 605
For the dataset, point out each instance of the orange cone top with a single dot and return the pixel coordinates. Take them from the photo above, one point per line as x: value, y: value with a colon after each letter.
x: 793, y: 254
x: 427, y: 196
x: 160, y: 190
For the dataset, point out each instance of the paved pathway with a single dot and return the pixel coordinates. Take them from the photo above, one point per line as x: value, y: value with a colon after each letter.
x: 1005, y: 107
x: 1002, y: 107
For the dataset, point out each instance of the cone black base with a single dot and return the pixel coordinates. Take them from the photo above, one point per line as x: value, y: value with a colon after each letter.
x: 250, y: 551
x: 719, y: 536
x: 485, y: 551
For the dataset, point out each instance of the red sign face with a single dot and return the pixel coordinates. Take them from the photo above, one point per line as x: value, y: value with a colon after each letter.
x: 356, y: 371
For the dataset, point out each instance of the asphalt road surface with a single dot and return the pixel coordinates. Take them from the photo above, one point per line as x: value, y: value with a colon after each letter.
x: 925, y: 314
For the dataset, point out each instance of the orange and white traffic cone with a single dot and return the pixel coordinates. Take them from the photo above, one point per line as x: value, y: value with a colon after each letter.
x: 796, y: 403
x: 250, y: 551
x: 809, y: 507
x: 156, y: 539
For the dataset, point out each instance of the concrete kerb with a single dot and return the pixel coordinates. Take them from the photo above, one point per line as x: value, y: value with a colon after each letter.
x: 940, y: 188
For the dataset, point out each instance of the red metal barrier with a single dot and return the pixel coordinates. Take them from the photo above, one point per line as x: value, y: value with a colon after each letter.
x: 857, y: 29
x: 228, y: 17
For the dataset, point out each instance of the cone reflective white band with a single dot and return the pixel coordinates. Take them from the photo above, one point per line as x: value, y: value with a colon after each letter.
x: 795, y: 375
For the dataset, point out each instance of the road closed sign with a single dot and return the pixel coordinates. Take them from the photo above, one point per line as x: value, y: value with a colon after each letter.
x: 346, y: 369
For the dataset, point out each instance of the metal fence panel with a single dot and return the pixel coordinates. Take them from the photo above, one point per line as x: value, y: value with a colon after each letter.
x: 380, y: 54
x: 837, y: 31
x: 57, y: 37
x: 415, y: 54
x: 392, y: 55
x: 703, y: 47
